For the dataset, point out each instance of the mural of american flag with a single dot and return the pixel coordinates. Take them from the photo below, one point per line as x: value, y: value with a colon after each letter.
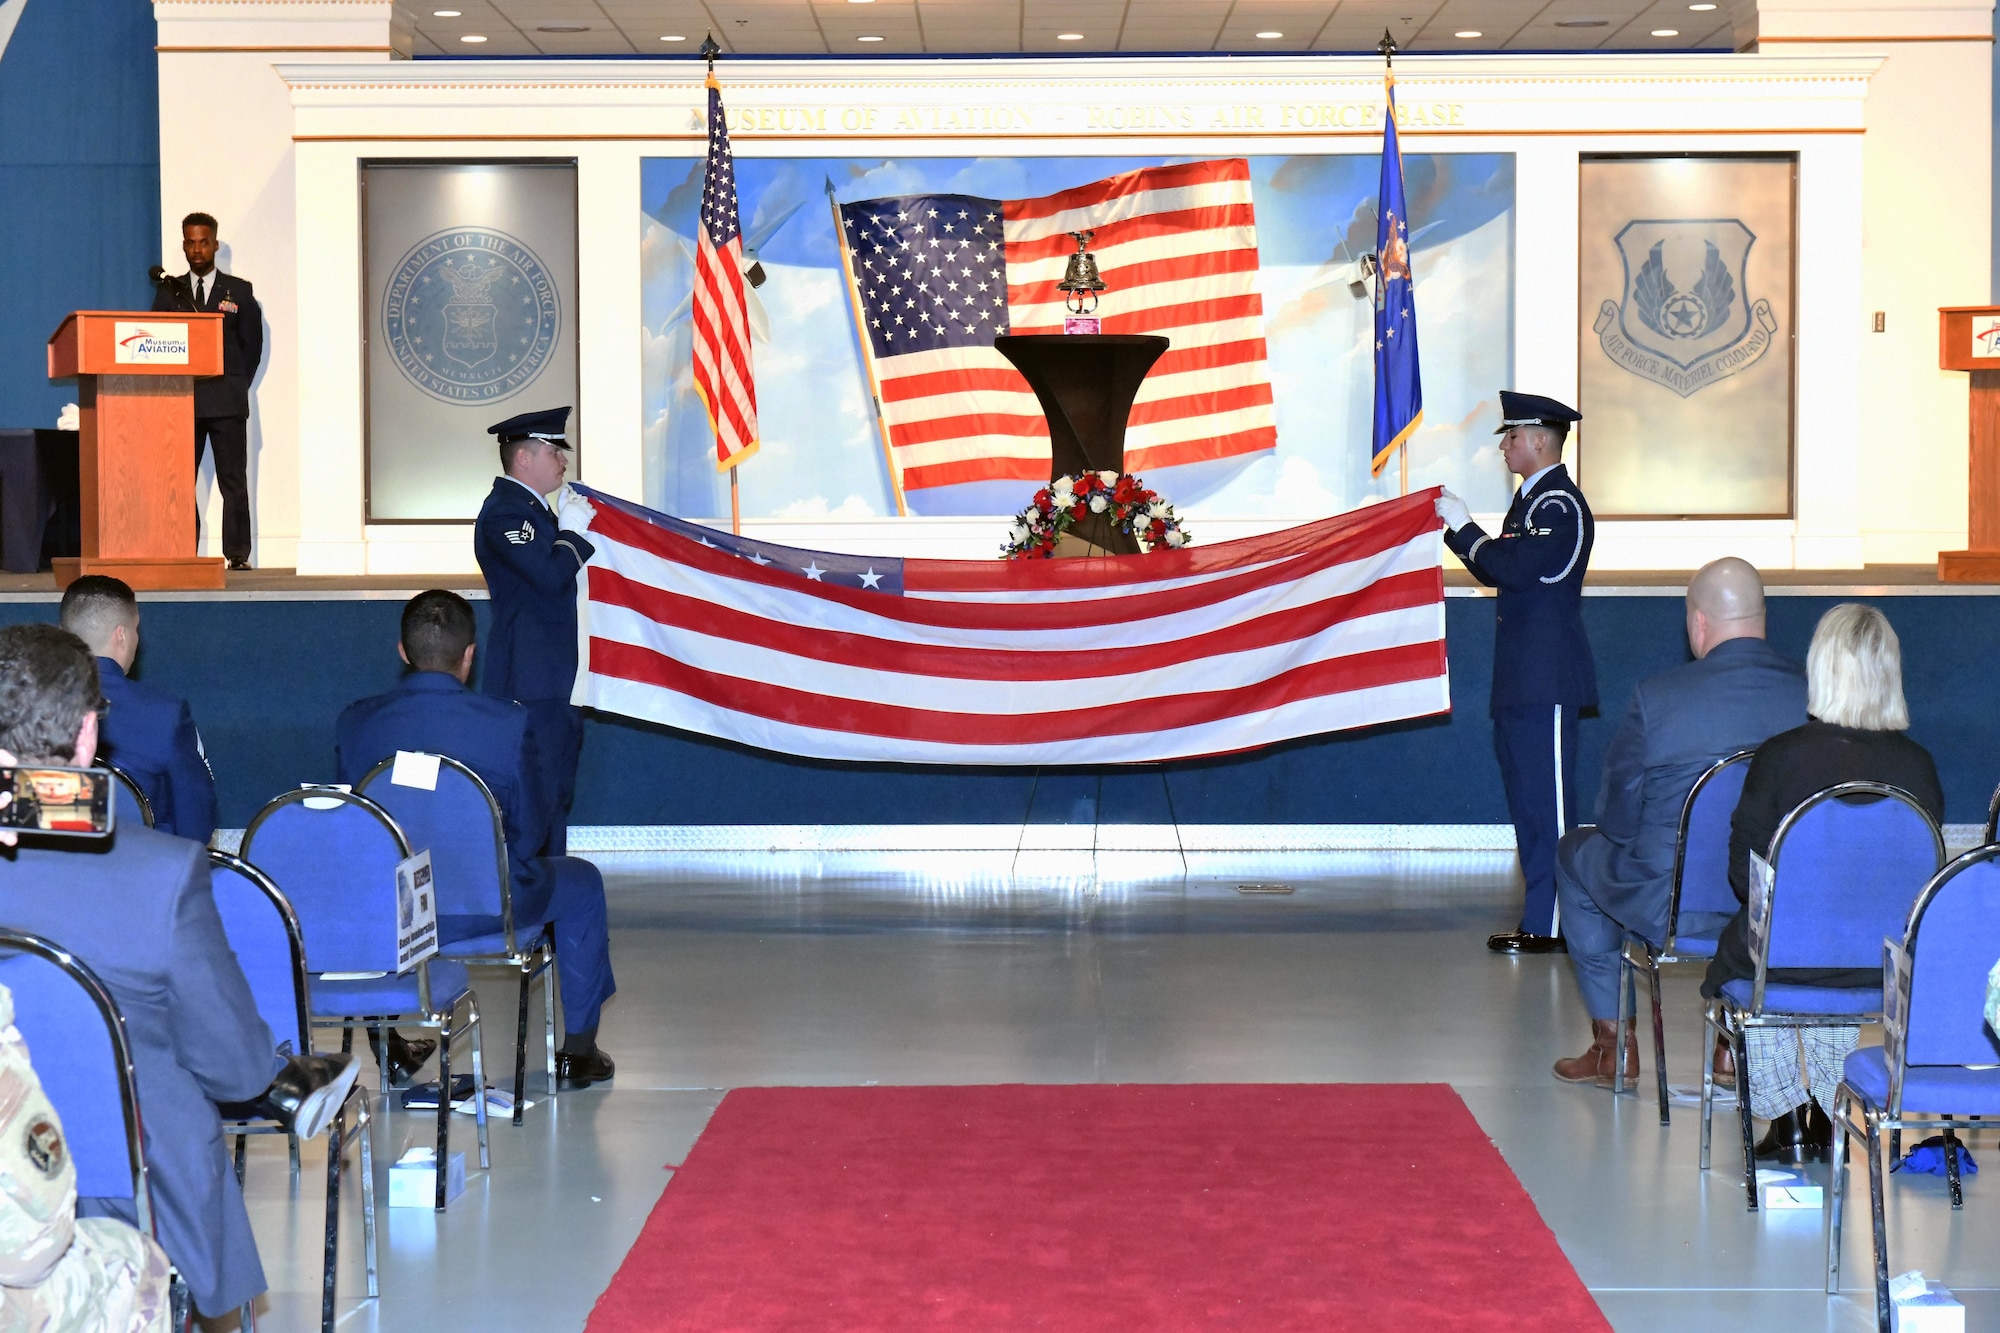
x: 939, y: 276
x: 722, y: 369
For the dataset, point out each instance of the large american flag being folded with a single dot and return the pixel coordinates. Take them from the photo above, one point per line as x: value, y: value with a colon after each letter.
x: 940, y: 275
x: 1324, y: 627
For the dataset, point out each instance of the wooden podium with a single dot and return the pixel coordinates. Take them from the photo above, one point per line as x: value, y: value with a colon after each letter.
x: 135, y: 373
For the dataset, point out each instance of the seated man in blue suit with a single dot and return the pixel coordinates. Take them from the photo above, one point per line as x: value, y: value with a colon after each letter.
x: 139, y: 912
x: 148, y: 732
x: 1618, y: 874
x: 432, y: 710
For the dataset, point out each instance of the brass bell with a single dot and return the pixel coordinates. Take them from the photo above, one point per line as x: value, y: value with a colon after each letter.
x: 1081, y: 278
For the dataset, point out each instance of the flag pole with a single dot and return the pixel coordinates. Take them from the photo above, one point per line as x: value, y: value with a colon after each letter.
x: 867, y: 350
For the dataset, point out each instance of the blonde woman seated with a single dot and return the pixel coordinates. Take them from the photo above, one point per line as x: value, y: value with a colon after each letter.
x: 1854, y: 733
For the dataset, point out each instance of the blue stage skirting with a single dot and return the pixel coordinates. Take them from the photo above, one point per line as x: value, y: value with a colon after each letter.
x: 267, y: 678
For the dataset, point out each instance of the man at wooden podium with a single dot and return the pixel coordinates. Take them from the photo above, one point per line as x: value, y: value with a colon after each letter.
x: 221, y: 403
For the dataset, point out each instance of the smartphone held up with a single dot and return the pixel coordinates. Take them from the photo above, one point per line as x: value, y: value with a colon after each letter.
x: 65, y: 802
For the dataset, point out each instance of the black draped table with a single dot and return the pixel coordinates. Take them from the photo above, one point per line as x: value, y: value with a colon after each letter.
x: 40, y: 511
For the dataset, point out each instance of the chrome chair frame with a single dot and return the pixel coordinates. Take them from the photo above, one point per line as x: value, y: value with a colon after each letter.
x: 1727, y: 1022
x: 529, y: 963
x: 132, y: 789
x: 1852, y: 1118
x: 1638, y: 952
x: 300, y: 1038
x: 429, y: 1016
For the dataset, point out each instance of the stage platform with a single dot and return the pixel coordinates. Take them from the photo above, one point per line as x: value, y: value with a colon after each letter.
x: 268, y: 663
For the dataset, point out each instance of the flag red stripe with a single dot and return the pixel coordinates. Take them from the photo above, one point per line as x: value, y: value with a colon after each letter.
x: 1400, y: 526
x: 1203, y: 450
x: 1170, y: 316
x: 1129, y: 182
x: 973, y: 423
x: 804, y: 708
x: 1004, y: 378
x: 1200, y: 404
x: 1397, y: 592
x: 984, y: 467
x: 1132, y: 277
x: 1214, y: 217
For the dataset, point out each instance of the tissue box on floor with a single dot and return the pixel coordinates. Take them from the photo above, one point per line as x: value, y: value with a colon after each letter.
x: 413, y: 1179
x: 1917, y: 1306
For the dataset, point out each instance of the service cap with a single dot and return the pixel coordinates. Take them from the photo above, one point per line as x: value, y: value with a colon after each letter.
x: 548, y: 424
x: 1531, y: 409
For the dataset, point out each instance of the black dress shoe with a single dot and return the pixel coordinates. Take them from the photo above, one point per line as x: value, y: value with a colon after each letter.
x: 1520, y: 941
x: 580, y: 1071
x: 405, y: 1057
x: 239, y: 564
x: 1791, y: 1139
x: 305, y: 1095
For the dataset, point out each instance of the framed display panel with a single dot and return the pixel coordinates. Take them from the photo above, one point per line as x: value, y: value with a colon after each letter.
x: 469, y: 316
x: 1686, y: 281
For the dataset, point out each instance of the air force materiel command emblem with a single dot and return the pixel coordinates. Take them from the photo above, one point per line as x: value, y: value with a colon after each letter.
x: 1686, y: 320
x: 471, y: 315
x: 522, y: 535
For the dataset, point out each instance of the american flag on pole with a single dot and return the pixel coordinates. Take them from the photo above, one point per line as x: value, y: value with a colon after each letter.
x: 940, y: 275
x: 722, y: 371
x: 1328, y: 626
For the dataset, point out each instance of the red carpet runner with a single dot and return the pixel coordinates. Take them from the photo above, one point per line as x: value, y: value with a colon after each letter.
x: 1271, y: 1206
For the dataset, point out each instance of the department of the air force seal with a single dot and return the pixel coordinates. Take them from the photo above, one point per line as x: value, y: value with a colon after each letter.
x: 471, y: 315
x: 1686, y: 321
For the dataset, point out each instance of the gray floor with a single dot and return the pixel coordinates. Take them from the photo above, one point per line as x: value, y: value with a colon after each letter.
x: 936, y: 969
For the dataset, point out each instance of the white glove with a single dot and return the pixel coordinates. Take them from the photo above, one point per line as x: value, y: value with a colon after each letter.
x: 1453, y: 511
x: 573, y: 512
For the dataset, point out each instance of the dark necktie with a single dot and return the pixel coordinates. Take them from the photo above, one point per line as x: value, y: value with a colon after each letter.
x: 200, y: 292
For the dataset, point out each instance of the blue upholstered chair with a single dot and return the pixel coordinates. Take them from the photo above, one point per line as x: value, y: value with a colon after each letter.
x: 264, y: 934
x: 76, y: 1037
x: 128, y: 798
x: 334, y: 855
x: 1844, y: 868
x: 1700, y: 893
x: 461, y: 823
x: 1938, y: 1057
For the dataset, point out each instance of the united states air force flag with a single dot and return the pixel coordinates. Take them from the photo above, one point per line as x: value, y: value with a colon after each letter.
x: 1399, y: 387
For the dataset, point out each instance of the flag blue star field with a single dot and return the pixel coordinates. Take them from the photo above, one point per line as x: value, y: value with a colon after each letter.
x: 939, y: 276
x: 1399, y: 384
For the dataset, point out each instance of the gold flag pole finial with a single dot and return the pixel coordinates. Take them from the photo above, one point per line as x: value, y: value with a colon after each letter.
x: 1387, y: 46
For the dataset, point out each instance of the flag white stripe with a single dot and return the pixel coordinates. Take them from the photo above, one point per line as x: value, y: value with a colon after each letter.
x: 1002, y: 698
x: 1144, y: 250
x: 1137, y: 204
x: 1305, y: 717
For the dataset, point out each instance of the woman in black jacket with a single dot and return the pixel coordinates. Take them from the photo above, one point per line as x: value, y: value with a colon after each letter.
x: 1857, y: 717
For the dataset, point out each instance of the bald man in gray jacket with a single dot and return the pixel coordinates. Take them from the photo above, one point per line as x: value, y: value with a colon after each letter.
x: 1617, y: 874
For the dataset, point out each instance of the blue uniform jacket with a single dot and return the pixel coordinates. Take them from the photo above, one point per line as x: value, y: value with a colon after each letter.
x: 140, y: 913
x: 432, y: 712
x: 530, y: 567
x: 1540, y: 654
x: 150, y: 734
x: 1677, y: 724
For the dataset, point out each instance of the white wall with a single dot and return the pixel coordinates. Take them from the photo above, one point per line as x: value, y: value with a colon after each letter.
x: 1894, y: 141
x: 226, y: 149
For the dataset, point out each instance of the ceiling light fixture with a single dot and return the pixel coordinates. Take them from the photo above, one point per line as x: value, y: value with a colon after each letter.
x: 1666, y: 32
x: 1582, y: 23
x: 1069, y: 36
x: 673, y: 37
x: 444, y: 13
x: 1468, y: 33
x: 563, y: 27
x: 1269, y: 36
x: 1701, y: 9
x: 472, y: 37
x: 867, y: 39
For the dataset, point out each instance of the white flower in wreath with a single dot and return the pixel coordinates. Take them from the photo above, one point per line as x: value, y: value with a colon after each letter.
x: 1018, y: 533
x: 1175, y: 537
x: 1159, y: 509
x: 1098, y: 504
x: 1108, y: 477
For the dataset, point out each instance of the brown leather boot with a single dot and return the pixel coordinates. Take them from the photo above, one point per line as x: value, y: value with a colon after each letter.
x: 1594, y: 1063
x: 1605, y: 1078
x: 1725, y: 1066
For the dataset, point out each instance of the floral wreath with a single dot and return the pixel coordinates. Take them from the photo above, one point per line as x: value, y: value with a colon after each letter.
x: 1067, y: 501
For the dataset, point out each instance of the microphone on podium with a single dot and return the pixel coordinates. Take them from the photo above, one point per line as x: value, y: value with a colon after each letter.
x: 162, y: 278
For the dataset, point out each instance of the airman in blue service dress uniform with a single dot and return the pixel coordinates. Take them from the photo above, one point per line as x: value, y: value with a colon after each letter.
x: 1543, y: 673
x: 530, y: 554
